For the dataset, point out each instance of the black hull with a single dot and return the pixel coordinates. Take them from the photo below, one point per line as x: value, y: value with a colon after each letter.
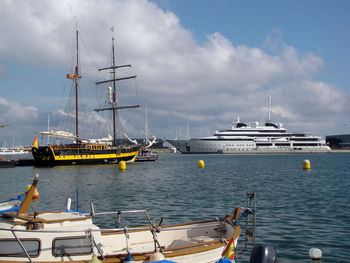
x: 6, y: 164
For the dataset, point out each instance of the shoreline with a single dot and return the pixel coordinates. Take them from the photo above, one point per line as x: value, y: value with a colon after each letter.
x: 260, y: 152
x: 284, y: 152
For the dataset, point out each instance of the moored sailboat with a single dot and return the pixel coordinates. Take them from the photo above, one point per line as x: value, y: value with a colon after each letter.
x: 85, y: 151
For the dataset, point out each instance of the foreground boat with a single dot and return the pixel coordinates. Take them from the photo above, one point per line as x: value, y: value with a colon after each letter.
x: 72, y: 236
x: 87, y: 151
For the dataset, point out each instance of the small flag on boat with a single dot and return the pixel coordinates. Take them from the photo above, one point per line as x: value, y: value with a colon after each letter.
x: 229, y: 251
x: 35, y: 142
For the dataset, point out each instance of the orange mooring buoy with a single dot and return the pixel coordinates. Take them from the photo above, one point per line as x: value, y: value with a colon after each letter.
x: 36, y: 193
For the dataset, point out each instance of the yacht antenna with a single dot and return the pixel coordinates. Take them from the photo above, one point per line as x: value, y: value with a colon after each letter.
x: 269, y: 110
x: 146, y: 127
x: 188, y: 130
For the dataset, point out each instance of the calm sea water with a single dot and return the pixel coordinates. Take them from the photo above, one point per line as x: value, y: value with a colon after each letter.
x: 296, y: 209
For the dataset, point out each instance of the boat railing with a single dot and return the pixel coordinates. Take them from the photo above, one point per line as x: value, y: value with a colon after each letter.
x: 121, y: 229
x: 119, y: 213
x: 89, y: 232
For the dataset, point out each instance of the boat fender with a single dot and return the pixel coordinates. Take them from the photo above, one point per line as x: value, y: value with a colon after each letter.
x: 263, y: 254
x: 95, y: 259
x: 156, y: 256
x: 224, y: 260
x: 128, y: 258
x: 315, y: 253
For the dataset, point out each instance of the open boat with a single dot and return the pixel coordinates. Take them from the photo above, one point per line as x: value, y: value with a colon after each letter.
x: 72, y: 236
x: 146, y: 155
x: 84, y: 151
x: 11, y: 205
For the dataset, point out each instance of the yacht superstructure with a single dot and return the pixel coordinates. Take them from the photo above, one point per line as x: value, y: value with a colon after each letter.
x: 253, y: 137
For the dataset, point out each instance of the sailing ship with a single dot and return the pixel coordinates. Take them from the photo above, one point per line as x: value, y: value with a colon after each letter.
x: 72, y: 236
x: 87, y: 151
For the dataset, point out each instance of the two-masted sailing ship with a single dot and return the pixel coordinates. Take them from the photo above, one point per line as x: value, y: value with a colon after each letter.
x: 83, y: 151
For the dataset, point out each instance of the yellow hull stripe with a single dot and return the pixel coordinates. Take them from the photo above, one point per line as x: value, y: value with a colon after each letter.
x: 95, y: 156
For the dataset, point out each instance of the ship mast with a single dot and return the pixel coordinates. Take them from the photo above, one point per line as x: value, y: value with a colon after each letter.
x: 76, y: 80
x: 75, y: 77
x: 114, y: 107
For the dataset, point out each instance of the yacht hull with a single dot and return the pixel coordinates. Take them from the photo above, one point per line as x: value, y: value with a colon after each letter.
x: 217, y: 146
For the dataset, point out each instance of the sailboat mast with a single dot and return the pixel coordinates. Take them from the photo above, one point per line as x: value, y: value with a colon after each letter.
x: 114, y: 97
x: 114, y: 107
x: 76, y: 79
x: 146, y: 127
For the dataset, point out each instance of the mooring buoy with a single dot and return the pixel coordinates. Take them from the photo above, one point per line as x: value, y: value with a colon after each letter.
x: 306, y: 164
x: 36, y: 193
x: 122, y: 165
x: 200, y: 164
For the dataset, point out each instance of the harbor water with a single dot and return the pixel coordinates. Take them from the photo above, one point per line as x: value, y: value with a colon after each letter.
x: 296, y: 209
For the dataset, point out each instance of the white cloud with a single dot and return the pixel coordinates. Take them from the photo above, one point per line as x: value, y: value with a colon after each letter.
x: 207, y: 84
x: 13, y: 112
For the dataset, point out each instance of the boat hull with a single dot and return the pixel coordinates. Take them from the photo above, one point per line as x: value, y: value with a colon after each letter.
x: 191, y: 242
x: 219, y: 146
x: 82, y: 155
x: 11, y: 205
x: 146, y: 156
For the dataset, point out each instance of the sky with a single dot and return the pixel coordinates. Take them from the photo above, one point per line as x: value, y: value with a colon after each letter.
x: 200, y: 65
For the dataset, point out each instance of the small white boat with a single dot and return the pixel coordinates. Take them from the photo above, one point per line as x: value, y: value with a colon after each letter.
x: 11, y: 205
x: 12, y: 151
x: 72, y: 236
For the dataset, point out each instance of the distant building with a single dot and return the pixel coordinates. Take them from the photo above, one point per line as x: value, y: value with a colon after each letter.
x: 338, y: 141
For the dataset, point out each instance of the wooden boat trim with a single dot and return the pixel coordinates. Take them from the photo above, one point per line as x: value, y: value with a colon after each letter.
x: 43, y: 221
x: 201, y: 247
x: 181, y: 251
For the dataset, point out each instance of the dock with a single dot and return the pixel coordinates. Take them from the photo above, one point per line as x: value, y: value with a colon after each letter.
x: 14, y: 163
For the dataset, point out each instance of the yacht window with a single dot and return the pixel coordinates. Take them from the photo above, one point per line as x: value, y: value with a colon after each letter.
x: 11, y: 247
x: 72, y: 246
